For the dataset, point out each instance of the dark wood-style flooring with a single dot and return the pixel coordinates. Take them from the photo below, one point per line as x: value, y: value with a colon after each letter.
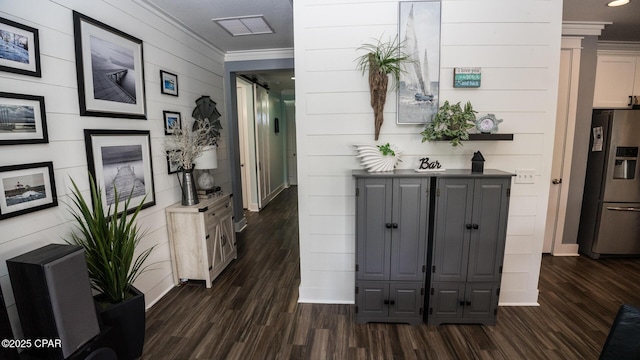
x: 251, y: 312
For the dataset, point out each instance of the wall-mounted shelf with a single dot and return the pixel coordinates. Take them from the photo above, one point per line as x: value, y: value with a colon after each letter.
x: 486, y: 137
x: 508, y: 137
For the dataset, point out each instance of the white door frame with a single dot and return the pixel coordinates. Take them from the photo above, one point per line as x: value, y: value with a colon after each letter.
x: 563, y: 143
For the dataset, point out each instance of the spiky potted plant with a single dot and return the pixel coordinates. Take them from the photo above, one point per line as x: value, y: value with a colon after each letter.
x: 451, y: 122
x: 110, y: 239
x: 382, y: 60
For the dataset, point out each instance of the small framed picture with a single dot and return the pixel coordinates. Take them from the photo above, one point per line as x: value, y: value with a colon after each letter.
x: 22, y: 119
x: 172, y: 121
x: 19, y: 48
x: 172, y: 166
x: 110, y: 70
x: 121, y: 160
x: 26, y: 188
x: 168, y: 83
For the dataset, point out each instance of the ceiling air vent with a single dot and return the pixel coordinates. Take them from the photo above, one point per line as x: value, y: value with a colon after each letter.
x: 244, y: 25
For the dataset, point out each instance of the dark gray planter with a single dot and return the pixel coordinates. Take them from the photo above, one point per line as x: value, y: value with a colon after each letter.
x: 127, y: 322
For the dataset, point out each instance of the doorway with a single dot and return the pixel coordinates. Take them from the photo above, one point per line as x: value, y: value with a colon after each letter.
x: 266, y: 136
x: 562, y: 150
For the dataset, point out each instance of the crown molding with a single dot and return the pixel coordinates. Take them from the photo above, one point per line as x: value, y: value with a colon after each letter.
x: 262, y: 54
x: 584, y: 27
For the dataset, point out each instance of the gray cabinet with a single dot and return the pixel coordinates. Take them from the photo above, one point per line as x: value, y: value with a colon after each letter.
x: 391, y: 240
x: 469, y: 234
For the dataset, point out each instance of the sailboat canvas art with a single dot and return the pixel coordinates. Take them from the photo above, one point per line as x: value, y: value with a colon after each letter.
x: 419, y: 30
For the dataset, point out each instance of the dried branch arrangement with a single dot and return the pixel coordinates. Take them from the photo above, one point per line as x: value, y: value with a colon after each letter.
x: 185, y: 146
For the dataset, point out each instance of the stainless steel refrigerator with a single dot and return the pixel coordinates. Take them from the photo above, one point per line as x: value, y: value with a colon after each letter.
x: 610, y: 217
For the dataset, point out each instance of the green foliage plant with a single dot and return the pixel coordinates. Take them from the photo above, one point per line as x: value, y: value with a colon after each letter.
x: 451, y: 122
x: 381, y: 60
x: 109, y: 242
x: 386, y: 149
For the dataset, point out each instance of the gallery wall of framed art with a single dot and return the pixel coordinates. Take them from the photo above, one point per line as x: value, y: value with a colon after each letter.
x: 42, y: 123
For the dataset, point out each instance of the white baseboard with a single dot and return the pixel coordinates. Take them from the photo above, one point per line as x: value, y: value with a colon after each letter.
x: 565, y: 250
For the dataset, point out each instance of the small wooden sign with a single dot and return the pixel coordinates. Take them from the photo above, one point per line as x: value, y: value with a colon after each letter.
x: 466, y: 77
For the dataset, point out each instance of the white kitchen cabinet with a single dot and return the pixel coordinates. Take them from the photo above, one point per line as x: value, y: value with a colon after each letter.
x: 201, y: 239
x: 617, y: 81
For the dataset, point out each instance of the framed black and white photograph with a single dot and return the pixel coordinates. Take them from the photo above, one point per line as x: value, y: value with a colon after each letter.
x: 419, y: 85
x: 172, y: 166
x: 168, y: 83
x: 172, y: 121
x: 19, y: 48
x: 26, y: 188
x: 110, y: 69
x: 121, y: 160
x: 23, y: 119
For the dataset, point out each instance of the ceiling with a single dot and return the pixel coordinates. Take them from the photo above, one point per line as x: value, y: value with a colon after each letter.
x: 197, y: 16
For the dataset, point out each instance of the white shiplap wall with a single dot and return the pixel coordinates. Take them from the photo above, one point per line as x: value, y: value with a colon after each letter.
x: 166, y: 46
x: 517, y: 45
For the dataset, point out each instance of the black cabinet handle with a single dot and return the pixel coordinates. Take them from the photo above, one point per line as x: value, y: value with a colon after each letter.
x: 392, y: 302
x: 475, y: 226
x: 461, y: 302
x: 465, y: 303
x: 394, y: 225
x: 388, y: 225
x: 386, y: 302
x: 468, y: 226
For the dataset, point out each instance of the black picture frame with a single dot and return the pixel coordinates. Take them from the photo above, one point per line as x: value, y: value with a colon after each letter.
x: 172, y: 166
x: 121, y: 157
x: 20, y: 55
x: 172, y: 121
x: 26, y: 188
x: 105, y: 90
x: 23, y: 119
x: 168, y: 83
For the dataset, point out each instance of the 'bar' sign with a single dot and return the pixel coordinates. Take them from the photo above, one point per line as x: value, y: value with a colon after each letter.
x: 466, y: 77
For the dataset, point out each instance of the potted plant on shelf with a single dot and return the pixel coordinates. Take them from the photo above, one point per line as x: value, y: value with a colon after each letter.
x: 451, y: 122
x: 381, y: 60
x: 110, y: 244
x: 183, y: 147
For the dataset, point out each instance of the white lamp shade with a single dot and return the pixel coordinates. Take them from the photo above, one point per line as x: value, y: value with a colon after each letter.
x: 208, y: 159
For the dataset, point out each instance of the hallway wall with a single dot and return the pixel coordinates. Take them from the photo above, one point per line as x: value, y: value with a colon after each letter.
x: 166, y: 46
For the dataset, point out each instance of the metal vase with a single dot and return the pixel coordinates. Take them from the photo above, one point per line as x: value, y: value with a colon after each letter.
x: 189, y: 193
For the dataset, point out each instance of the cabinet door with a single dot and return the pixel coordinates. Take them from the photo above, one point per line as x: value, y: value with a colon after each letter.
x: 405, y: 299
x: 451, y: 236
x: 614, y: 81
x: 409, y: 229
x: 481, y: 300
x: 216, y: 249
x: 371, y: 297
x: 227, y: 236
x: 446, y: 300
x: 636, y: 82
x: 488, y: 233
x: 373, y: 236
